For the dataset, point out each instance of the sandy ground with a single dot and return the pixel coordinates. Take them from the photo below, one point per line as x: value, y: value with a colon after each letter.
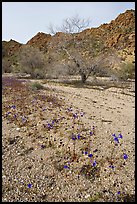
x: 26, y: 162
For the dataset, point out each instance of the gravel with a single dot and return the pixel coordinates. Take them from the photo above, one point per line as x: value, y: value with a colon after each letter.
x: 33, y: 157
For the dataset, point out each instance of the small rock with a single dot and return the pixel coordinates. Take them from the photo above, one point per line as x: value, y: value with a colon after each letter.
x: 87, y: 196
x: 17, y: 129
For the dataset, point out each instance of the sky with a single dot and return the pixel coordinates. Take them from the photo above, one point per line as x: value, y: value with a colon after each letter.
x: 23, y: 20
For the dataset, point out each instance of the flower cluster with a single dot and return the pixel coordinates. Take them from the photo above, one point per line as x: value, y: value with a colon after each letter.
x: 74, y: 137
x: 116, y: 138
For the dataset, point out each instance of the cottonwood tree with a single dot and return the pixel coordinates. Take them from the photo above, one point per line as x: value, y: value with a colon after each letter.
x: 83, y: 66
x: 31, y: 61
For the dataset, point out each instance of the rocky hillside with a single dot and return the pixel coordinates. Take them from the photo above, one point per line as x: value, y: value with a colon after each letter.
x: 10, y: 48
x: 117, y: 37
x: 40, y: 40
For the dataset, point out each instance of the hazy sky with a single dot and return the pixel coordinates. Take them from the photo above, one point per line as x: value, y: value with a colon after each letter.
x: 22, y: 20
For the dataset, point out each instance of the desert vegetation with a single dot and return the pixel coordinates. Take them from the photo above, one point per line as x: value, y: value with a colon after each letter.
x: 68, y: 120
x: 53, y: 127
x: 70, y: 52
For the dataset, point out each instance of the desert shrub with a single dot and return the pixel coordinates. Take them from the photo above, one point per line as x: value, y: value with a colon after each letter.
x: 38, y: 74
x: 127, y: 71
x: 36, y: 86
x: 31, y: 61
x: 6, y: 66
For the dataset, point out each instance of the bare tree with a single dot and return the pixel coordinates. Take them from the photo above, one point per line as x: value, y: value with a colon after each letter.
x: 80, y: 65
x: 87, y: 66
x: 74, y: 24
x: 77, y: 63
x: 31, y: 61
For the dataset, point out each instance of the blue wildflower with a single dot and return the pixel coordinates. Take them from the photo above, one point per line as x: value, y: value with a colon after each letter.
x: 94, y: 163
x: 125, y: 156
x: 91, y: 133
x: 49, y: 126
x: 120, y: 136
x: 90, y: 155
x: 66, y: 167
x: 78, y: 136
x: 118, y: 192
x: 23, y: 119
x: 73, y: 137
x: 70, y: 109
x: 15, y: 115
x: 86, y: 152
x: 111, y: 166
x: 116, y: 140
x: 13, y: 106
x: 8, y: 113
x: 75, y: 115
x: 29, y: 185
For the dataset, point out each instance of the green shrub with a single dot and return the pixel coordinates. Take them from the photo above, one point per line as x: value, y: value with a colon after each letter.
x: 36, y: 86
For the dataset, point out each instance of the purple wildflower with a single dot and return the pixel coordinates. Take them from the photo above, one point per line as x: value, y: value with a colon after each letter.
x: 75, y: 115
x: 91, y: 133
x: 49, y: 126
x: 15, y: 115
x: 13, y: 106
x: 29, y: 185
x: 66, y: 167
x: 70, y: 109
x: 125, y: 156
x: 114, y: 135
x: 78, y: 136
x: 120, y: 136
x: 86, y: 152
x: 94, y: 163
x: 111, y: 166
x: 43, y: 146
x: 90, y: 155
x: 116, y: 140
x: 23, y: 119
x: 8, y: 113
x: 73, y: 137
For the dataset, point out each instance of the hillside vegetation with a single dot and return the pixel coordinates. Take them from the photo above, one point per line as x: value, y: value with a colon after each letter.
x: 111, y: 47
